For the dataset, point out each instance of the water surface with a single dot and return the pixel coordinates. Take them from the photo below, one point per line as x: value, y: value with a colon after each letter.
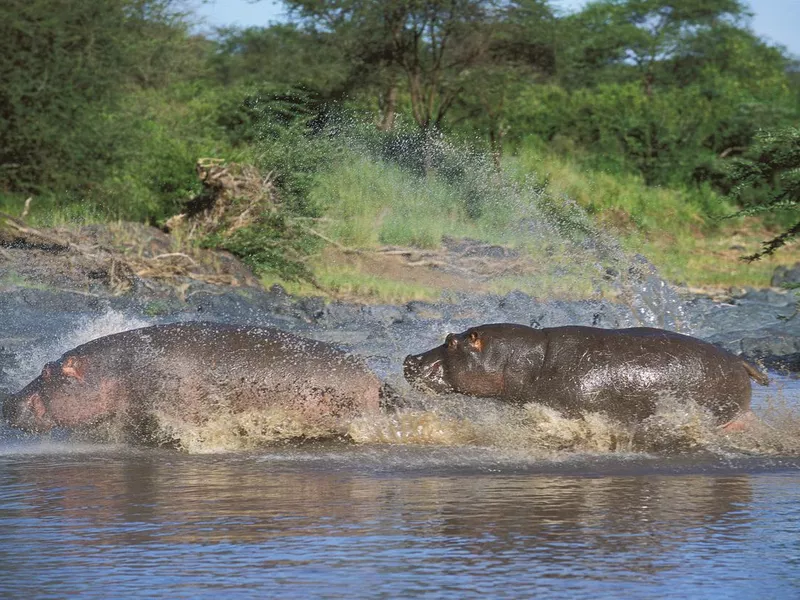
x: 335, y: 520
x: 439, y: 515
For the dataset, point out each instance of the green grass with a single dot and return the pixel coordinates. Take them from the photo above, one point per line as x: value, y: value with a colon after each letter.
x: 348, y: 283
x: 680, y: 230
x: 16, y: 280
x: 622, y: 200
x: 52, y: 211
x: 544, y: 205
x: 369, y: 203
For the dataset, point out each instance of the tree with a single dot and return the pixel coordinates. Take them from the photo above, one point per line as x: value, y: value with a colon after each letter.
x: 64, y: 64
x: 639, y: 38
x: 432, y: 44
x: 706, y: 85
x: 521, y: 54
x: 281, y: 54
x: 772, y: 163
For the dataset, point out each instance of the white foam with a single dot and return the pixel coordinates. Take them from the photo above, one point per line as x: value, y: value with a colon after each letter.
x: 32, y: 359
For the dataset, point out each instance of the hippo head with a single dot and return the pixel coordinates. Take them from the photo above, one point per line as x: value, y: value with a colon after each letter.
x: 67, y: 394
x: 471, y: 363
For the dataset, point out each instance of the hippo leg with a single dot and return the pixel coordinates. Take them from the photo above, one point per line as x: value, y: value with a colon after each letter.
x: 741, y: 422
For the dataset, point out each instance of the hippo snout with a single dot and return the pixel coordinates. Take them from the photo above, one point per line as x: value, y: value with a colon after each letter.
x: 426, y: 371
x: 27, y: 413
x: 411, y: 366
x: 416, y: 367
x: 9, y: 407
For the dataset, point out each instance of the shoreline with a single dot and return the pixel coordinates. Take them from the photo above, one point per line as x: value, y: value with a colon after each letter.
x: 47, y: 292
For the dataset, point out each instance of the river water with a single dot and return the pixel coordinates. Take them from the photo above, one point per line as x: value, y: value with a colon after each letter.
x: 378, y: 520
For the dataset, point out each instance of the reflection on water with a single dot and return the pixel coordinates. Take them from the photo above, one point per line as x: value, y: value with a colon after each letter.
x: 479, y: 500
x: 343, y: 521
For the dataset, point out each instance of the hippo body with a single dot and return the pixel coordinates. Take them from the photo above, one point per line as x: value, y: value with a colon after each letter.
x: 620, y: 372
x: 193, y: 370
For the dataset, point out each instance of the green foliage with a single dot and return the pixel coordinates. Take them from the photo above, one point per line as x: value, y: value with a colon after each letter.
x: 273, y: 246
x: 640, y: 40
x: 292, y: 145
x: 670, y: 90
x: 432, y: 44
x: 165, y: 133
x: 65, y: 64
x: 287, y: 142
x: 106, y: 107
x: 773, y: 164
x: 308, y: 59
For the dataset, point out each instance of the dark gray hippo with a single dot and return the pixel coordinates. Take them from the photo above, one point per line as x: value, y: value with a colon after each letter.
x: 620, y: 372
x: 194, y: 371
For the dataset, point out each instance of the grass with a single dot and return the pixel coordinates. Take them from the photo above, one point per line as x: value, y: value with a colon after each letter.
x: 546, y: 206
x: 346, y: 282
x: 13, y: 279
x: 623, y: 201
x: 679, y: 230
x: 715, y: 260
x: 52, y: 211
x: 369, y: 203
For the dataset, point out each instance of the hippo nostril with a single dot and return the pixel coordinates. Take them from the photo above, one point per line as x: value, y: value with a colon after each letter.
x: 27, y: 413
x: 412, y: 364
x: 9, y: 408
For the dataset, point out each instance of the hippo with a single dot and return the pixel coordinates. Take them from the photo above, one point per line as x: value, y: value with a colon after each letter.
x: 620, y: 372
x: 194, y: 371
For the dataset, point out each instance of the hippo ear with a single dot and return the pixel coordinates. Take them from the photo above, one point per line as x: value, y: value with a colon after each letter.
x: 451, y: 341
x: 47, y: 371
x: 474, y: 341
x: 74, y: 367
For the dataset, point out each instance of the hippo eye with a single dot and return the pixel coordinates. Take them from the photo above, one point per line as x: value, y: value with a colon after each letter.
x: 475, y: 342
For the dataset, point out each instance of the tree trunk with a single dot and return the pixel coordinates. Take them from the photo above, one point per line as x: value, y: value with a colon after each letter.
x: 496, y: 143
x: 389, y: 106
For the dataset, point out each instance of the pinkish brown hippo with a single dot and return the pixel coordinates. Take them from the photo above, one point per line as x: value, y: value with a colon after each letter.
x: 196, y: 370
x: 620, y: 372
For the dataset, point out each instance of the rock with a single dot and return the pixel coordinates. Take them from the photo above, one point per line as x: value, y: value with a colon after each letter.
x: 789, y: 363
x: 768, y: 296
x: 770, y: 342
x: 785, y: 275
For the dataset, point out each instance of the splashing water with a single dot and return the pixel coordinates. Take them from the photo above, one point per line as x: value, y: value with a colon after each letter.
x: 31, y: 359
x: 539, y: 242
x: 529, y: 224
x: 531, y: 430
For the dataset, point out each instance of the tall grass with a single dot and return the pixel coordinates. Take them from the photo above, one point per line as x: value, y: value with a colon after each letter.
x: 369, y: 203
x: 680, y: 230
x: 620, y: 200
x: 570, y: 219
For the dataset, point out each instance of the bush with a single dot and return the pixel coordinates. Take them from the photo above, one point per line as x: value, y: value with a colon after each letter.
x: 767, y: 181
x: 271, y: 246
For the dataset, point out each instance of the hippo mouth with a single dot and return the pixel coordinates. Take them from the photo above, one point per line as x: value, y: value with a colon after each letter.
x: 28, y: 414
x: 425, y: 376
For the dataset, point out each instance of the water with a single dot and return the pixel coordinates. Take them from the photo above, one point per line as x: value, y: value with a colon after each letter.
x: 433, y: 516
x: 448, y: 498
x: 452, y: 498
x: 378, y: 522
